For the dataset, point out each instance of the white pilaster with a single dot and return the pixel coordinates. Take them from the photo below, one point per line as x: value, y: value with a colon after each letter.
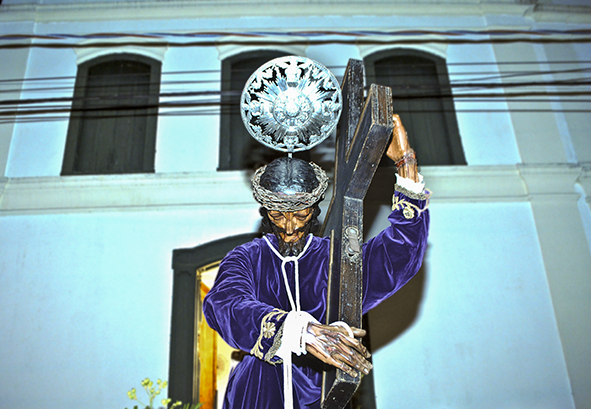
x: 11, y: 85
x: 567, y: 261
x: 536, y: 131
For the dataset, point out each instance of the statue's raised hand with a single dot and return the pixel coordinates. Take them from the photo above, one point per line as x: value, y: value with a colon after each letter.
x: 401, y: 152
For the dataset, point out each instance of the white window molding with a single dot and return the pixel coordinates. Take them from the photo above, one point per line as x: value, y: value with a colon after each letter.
x: 86, y: 51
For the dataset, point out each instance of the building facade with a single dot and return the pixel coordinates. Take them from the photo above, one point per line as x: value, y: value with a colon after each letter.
x: 120, y: 143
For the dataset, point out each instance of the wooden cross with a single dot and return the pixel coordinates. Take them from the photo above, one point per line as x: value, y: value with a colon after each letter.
x: 363, y: 133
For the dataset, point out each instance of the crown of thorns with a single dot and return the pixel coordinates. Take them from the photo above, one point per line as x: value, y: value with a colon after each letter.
x: 283, y: 202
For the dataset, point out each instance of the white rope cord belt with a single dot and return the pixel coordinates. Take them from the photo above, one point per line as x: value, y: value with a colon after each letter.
x: 295, y: 321
x: 295, y: 325
x: 284, y: 260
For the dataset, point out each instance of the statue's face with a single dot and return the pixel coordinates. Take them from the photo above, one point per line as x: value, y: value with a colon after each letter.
x: 291, y: 226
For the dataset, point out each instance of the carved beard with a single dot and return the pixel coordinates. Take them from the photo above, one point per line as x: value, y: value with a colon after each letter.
x: 291, y: 249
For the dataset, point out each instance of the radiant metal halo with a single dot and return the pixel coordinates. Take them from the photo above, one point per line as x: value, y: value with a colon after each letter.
x: 291, y: 104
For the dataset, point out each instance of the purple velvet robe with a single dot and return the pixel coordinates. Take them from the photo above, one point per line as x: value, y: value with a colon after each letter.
x: 248, y: 304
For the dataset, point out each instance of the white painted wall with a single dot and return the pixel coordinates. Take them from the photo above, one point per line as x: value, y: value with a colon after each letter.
x: 85, y: 301
x: 484, y: 334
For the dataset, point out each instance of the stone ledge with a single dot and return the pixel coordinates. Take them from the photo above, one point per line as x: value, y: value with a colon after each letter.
x: 585, y: 181
x: 124, y: 192
x: 449, y: 184
x: 458, y: 184
x: 550, y: 180
x: 158, y: 10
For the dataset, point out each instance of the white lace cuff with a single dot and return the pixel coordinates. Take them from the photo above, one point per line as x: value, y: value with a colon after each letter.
x: 294, y: 329
x: 409, y: 184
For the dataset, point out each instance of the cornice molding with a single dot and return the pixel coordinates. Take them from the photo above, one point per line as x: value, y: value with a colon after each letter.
x: 125, y: 192
x: 223, y: 190
x: 191, y: 9
x: 458, y: 184
x: 3, y: 182
x: 560, y: 14
x: 585, y: 181
x: 551, y: 182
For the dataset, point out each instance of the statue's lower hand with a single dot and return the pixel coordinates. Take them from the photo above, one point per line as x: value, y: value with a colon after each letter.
x: 332, y: 345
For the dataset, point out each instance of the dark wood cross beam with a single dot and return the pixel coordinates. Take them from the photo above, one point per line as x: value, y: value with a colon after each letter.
x: 363, y: 133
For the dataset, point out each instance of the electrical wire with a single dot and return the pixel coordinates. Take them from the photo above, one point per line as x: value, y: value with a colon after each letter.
x: 201, y: 92
x: 302, y: 37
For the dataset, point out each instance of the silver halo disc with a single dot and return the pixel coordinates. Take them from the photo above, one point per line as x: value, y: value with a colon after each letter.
x: 291, y: 104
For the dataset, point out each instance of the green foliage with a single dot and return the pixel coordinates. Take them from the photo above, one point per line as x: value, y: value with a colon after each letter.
x: 153, y: 391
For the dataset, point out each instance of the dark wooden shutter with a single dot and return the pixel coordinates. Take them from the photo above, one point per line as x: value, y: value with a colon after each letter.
x: 422, y: 97
x: 113, y: 123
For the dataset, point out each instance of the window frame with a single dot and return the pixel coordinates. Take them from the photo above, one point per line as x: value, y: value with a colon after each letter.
x: 76, y: 123
x: 453, y: 140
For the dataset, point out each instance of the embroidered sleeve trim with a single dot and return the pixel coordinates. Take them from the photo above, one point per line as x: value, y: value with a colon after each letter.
x: 275, y: 347
x: 268, y: 330
x: 409, y: 193
x: 408, y: 208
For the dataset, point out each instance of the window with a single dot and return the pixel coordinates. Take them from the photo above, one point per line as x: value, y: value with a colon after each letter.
x: 422, y: 97
x: 114, y: 115
x: 239, y: 150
